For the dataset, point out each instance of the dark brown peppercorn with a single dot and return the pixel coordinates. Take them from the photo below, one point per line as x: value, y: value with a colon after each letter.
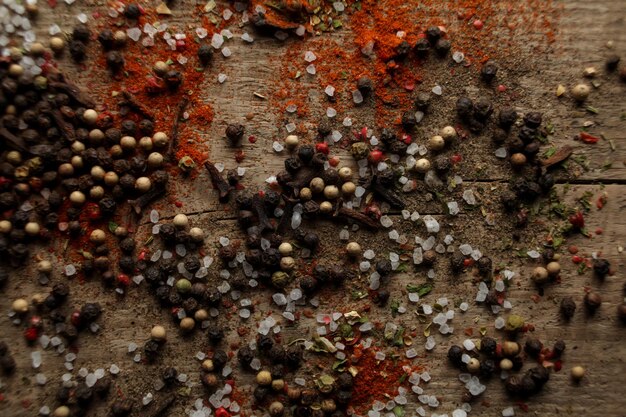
x: 151, y: 349
x: 485, y: 266
x: 121, y: 408
x: 169, y: 375
x: 132, y: 11
x: 215, y: 333
x: 612, y: 62
x: 422, y: 46
x: 403, y: 49
x: 234, y: 133
x: 408, y: 120
x: 219, y: 359
x: 533, y: 347
x: 173, y: 79
x: 442, y: 47
x: 568, y: 307
x: 558, y: 348
x: 78, y: 50
x: 7, y: 363
x: 83, y: 394
x: 488, y: 71
x: 592, y: 301
x: 465, y: 107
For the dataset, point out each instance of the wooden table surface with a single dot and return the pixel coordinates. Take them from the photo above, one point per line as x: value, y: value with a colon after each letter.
x: 583, y: 30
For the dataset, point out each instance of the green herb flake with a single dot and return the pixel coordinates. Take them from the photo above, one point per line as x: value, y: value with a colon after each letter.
x: 421, y: 290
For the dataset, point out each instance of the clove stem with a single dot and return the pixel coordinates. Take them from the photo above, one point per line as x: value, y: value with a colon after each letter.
x: 218, y: 181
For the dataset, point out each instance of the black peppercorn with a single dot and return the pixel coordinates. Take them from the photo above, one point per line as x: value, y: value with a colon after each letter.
x: 219, y: 359
x: 433, y: 33
x: 213, y: 297
x: 612, y: 62
x: 483, y: 109
x: 78, y: 50
x: 260, y: 393
x: 384, y: 268
x: 115, y: 61
x: 422, y: 46
x: 292, y: 164
x: 127, y: 264
x: 7, y: 363
x: 90, y: 312
x: 277, y: 356
x: 488, y: 346
x: 151, y: 349
x: 484, y: 266
x: 245, y: 355
x: 146, y: 127
x: 169, y: 375
x: 381, y: 297
x: 305, y: 153
x: 457, y: 262
x: 83, y: 394
x: 403, y: 49
x: 533, y: 119
x: 215, y: 333
x: 132, y: 11
x: 442, y: 47
x: 455, y: 354
x: 205, y: 54
x: 121, y: 408
x: 173, y: 79
x: 311, y: 240
x: 408, y: 120
x: 487, y: 367
x: 558, y: 348
x: 105, y: 37
x: 364, y: 85
x: 465, y: 107
x: 277, y: 370
x: 102, y: 387
x: 488, y: 71
x: 422, y: 101
x: 81, y: 33
x: 308, y: 284
x: 264, y: 343
x: 293, y: 357
x: 601, y: 267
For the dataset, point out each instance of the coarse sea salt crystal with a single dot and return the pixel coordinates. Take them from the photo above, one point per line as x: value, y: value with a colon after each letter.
x: 217, y: 41
x: 221, y: 78
x: 330, y: 112
x: 437, y: 90
x: 226, y: 51
x: 310, y: 69
x: 508, y: 412
x: 309, y: 56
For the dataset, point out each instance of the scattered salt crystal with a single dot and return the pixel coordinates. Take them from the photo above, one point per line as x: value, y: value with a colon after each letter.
x: 44, y: 411
x: 437, y: 90
x: 347, y: 122
x: 147, y: 399
x: 533, y: 254
x: 500, y: 153
x: 357, y: 97
x: 227, y: 14
x: 70, y: 270
x: 217, y: 41
x: 432, y: 225
x: 430, y: 343
x: 134, y: 33
x: 499, y: 323
x: 41, y: 379
x: 459, y: 413
x: 367, y: 326
x: 463, y: 306
x: 386, y: 221
x: 508, y: 412
x: 36, y: 359
x: 311, y: 69
x: 280, y: 35
x: 458, y: 57
x: 226, y: 51
x: 309, y: 56
x: 453, y: 208
x: 114, y: 369
x: 468, y: 344
x: 291, y: 108
x: 221, y: 78
x: 330, y: 112
x: 90, y: 380
x: 277, y: 146
x: 339, y: 6
x: 336, y: 136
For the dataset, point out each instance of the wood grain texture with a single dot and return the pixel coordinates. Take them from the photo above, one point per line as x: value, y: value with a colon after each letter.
x: 594, y: 342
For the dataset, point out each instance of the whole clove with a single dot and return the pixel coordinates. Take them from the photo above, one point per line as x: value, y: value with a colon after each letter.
x: 219, y: 182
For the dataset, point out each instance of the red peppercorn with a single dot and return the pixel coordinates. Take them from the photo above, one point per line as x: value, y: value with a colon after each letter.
x: 322, y: 147
x: 406, y: 138
x: 221, y: 412
x: 577, y: 259
x: 123, y: 280
x: 31, y: 334
x: 375, y: 156
x: 178, y: 204
x: 455, y: 159
x: 75, y: 318
x: 334, y: 161
x: 252, y: 139
x: 577, y: 220
x: 478, y: 24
